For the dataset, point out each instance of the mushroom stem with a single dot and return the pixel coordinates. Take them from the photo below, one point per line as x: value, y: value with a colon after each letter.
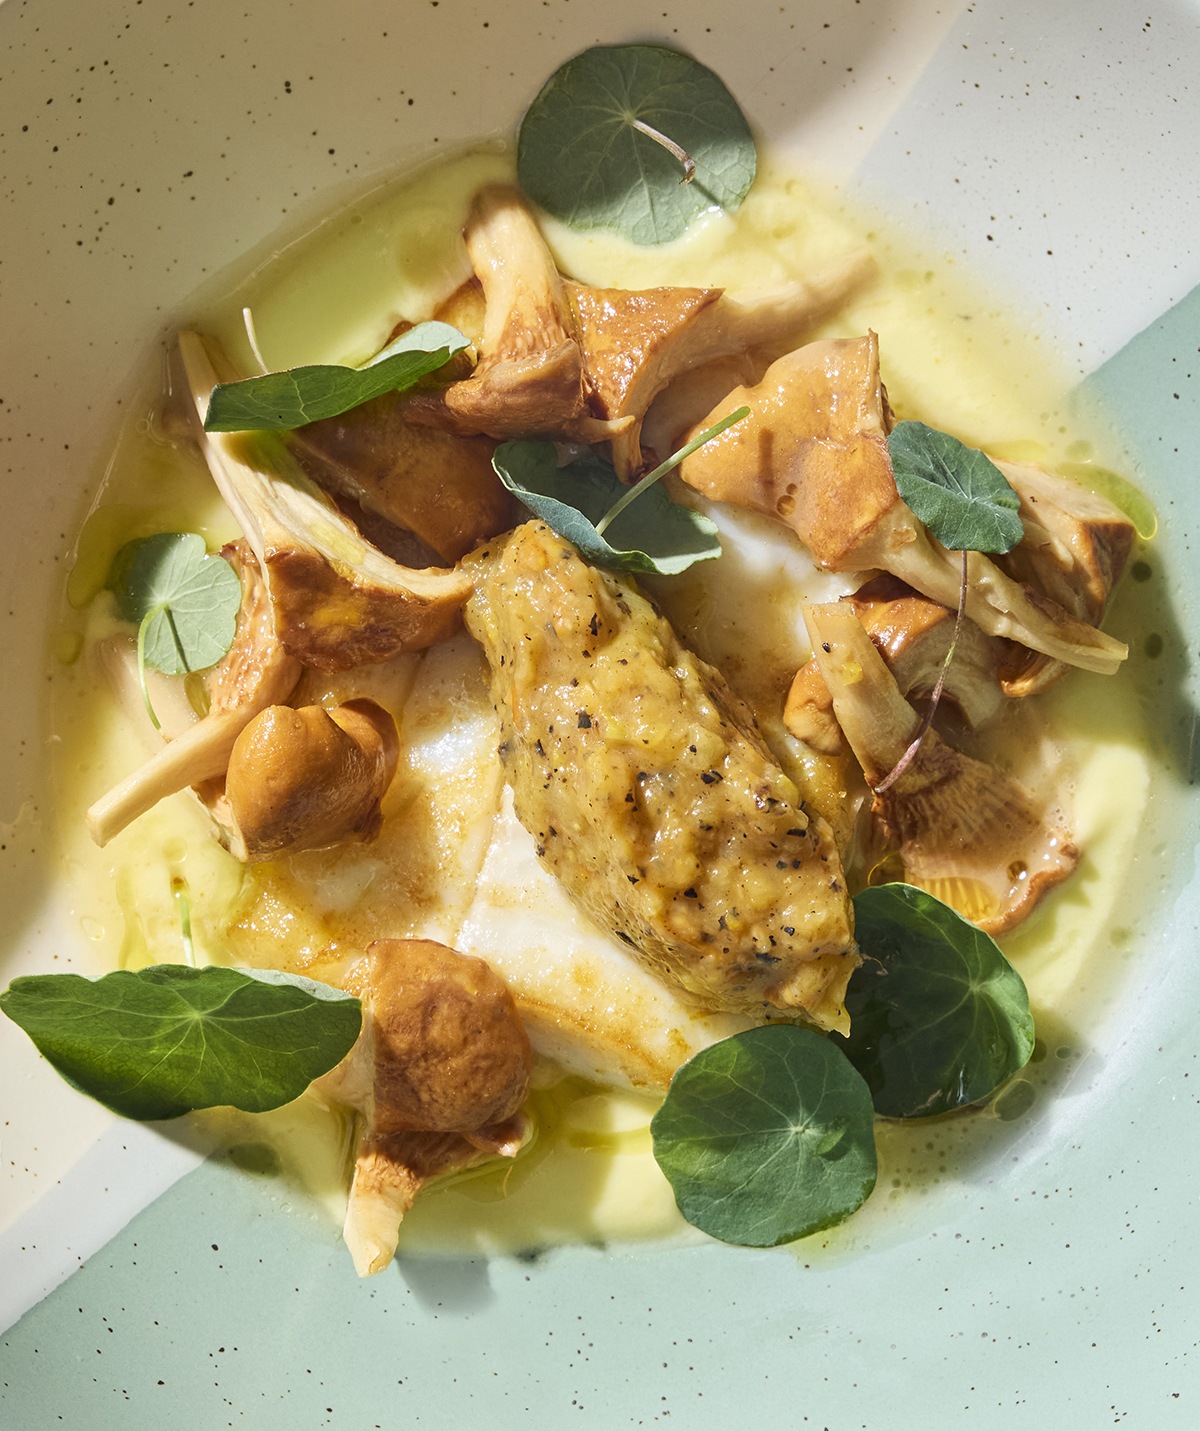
x: 814, y: 455
x: 338, y: 601
x: 963, y: 829
x: 256, y: 672
x: 200, y: 753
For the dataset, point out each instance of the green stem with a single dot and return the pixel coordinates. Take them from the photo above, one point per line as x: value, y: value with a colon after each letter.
x: 923, y: 729
x: 676, y: 151
x: 141, y: 658
x: 669, y: 465
x: 167, y: 611
x: 184, y: 905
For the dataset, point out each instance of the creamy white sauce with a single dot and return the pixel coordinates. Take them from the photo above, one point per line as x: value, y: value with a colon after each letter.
x: 443, y: 869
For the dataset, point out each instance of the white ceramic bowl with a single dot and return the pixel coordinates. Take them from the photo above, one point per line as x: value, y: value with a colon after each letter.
x: 1052, y: 148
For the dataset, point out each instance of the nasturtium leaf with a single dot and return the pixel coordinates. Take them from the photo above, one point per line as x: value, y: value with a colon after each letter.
x: 279, y: 402
x: 654, y: 535
x: 163, y: 1041
x: 957, y: 491
x: 938, y: 1016
x: 580, y: 157
x: 187, y: 598
x: 767, y: 1136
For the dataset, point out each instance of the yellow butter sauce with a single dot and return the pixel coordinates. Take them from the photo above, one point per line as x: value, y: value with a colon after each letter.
x: 950, y: 355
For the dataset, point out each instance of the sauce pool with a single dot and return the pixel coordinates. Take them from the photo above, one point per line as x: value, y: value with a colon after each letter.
x: 949, y: 355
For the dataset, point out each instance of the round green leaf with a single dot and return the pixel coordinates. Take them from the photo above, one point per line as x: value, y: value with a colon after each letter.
x: 580, y: 157
x: 165, y: 1040
x: 767, y: 1136
x: 938, y: 1016
x: 655, y: 534
x: 281, y: 402
x: 188, y: 599
x: 957, y: 491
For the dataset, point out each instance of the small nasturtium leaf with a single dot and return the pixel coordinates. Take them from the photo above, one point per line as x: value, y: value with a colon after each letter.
x: 185, y: 599
x: 957, y: 491
x: 169, y: 1039
x: 653, y: 535
x: 279, y: 402
x: 767, y: 1136
x: 938, y: 1016
x: 580, y: 156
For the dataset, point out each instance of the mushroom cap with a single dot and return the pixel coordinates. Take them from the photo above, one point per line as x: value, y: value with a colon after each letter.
x: 450, y: 1052
x: 303, y: 779
x: 529, y: 378
x: 813, y: 453
x: 637, y: 342
x: 338, y: 601
x: 1075, y: 548
x: 439, y: 485
x: 914, y: 634
x: 962, y: 828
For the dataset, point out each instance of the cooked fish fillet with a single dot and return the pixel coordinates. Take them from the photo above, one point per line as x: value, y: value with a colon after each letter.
x: 453, y: 863
x: 650, y: 793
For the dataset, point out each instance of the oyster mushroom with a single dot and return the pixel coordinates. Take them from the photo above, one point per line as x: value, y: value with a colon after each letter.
x: 338, y: 601
x: 301, y: 779
x: 440, y: 486
x: 439, y: 1073
x: 913, y: 635
x: 1075, y: 548
x: 529, y: 377
x: 962, y: 828
x: 813, y: 453
x: 636, y: 342
x: 256, y: 672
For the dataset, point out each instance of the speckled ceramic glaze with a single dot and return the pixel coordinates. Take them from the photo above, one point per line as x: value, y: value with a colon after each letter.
x: 145, y: 144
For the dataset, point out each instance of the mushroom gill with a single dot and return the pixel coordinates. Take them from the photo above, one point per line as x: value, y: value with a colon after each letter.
x: 913, y: 634
x: 962, y: 828
x: 529, y: 377
x: 1075, y: 548
x: 337, y: 600
x: 813, y: 453
x: 439, y: 1074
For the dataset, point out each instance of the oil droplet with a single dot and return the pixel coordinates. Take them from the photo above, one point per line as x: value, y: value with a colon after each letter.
x: 1016, y: 1100
x: 92, y: 928
x: 67, y: 646
x: 258, y: 1158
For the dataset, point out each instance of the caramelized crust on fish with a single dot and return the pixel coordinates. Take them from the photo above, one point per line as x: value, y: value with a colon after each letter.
x: 650, y: 793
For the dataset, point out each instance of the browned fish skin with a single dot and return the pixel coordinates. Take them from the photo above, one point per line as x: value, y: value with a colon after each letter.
x: 650, y: 793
